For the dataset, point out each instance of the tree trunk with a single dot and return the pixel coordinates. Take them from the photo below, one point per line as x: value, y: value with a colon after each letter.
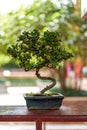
x: 45, y: 78
x: 62, y: 77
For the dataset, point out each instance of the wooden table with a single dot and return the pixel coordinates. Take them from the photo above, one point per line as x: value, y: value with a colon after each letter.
x: 72, y: 110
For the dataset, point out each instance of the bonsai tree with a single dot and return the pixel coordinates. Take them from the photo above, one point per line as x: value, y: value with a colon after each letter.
x: 35, y: 50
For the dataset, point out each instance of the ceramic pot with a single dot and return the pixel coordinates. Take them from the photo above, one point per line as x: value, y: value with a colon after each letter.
x: 44, y: 102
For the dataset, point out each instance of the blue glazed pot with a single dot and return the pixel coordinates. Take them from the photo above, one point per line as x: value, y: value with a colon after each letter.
x: 44, y: 102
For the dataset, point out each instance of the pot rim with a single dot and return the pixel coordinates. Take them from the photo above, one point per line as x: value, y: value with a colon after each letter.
x: 60, y: 96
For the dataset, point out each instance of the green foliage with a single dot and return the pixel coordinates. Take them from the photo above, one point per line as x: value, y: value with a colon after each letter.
x: 22, y: 81
x: 44, y: 94
x: 70, y: 92
x: 46, y: 15
x: 10, y: 65
x: 4, y: 59
x: 36, y: 50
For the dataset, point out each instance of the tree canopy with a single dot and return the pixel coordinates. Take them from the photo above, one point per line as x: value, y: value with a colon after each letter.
x: 34, y: 50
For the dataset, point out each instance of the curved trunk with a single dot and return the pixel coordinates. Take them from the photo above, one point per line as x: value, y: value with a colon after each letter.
x: 45, y: 78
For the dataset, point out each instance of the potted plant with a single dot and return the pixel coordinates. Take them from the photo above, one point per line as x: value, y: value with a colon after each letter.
x: 35, y: 50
